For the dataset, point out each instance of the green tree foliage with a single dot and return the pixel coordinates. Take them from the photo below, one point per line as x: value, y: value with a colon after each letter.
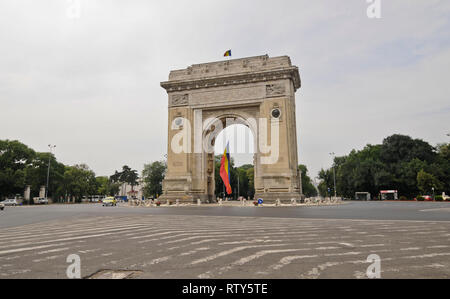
x: 79, y: 181
x: 102, y: 185
x: 15, y: 158
x: 245, y: 189
x: 153, y: 175
x: 127, y: 175
x: 251, y: 182
x: 21, y: 166
x: 36, y: 175
x: 426, y: 182
x: 308, y: 187
x: 246, y: 180
x: 394, y: 164
x: 106, y: 187
x: 441, y: 166
x: 327, y: 183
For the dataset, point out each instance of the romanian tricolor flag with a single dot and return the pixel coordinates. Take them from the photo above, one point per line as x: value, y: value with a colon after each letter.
x: 225, y: 171
x: 227, y: 53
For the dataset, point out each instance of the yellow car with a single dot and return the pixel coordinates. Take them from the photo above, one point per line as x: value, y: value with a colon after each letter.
x: 109, y: 201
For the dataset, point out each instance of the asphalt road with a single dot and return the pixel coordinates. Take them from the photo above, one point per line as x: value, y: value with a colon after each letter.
x: 421, y: 211
x: 411, y: 239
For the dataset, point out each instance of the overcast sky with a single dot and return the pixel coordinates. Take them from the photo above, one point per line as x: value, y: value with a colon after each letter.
x: 90, y: 84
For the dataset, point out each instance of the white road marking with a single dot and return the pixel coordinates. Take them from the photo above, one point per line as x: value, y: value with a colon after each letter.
x: 372, y: 245
x: 53, y: 250
x: 247, y: 259
x: 230, y: 251
x: 289, y: 259
x: 194, y: 251
x: 327, y: 248
x: 342, y: 254
x: 46, y: 258
x: 438, y: 246
x: 436, y: 210
x: 205, y: 241
x: 250, y: 242
x: 426, y: 255
x: 410, y: 248
x: 63, y: 239
x: 157, y: 261
x: 29, y: 248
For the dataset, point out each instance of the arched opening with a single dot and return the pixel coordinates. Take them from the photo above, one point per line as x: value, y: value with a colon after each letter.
x: 241, y: 142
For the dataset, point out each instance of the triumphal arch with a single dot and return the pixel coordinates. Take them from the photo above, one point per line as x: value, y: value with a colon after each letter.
x: 258, y: 92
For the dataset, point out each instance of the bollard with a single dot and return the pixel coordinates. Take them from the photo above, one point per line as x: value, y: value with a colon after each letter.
x: 220, y: 201
x: 278, y: 202
x: 199, y: 202
x: 293, y: 202
x: 244, y: 201
x: 178, y: 202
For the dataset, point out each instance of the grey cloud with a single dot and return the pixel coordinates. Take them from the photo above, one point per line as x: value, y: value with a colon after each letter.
x: 91, y: 85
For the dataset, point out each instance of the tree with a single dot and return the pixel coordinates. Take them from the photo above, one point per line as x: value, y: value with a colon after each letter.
x: 127, y: 175
x: 392, y: 165
x: 243, y: 182
x: 79, y: 181
x: 426, y: 182
x: 398, y: 148
x: 308, y: 187
x: 36, y: 175
x: 251, y: 182
x: 15, y: 157
x: 106, y: 187
x: 441, y: 167
x: 102, y: 185
x: 153, y: 175
x: 326, y: 177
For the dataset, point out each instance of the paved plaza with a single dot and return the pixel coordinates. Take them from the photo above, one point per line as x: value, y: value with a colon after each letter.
x: 173, y: 245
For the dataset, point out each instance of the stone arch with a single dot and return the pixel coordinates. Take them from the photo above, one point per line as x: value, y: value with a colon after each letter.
x: 238, y: 118
x: 257, y: 92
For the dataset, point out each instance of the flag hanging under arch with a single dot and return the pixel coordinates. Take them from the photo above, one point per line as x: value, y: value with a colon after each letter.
x: 225, y: 170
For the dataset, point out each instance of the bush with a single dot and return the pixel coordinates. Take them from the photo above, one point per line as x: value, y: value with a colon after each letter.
x: 438, y: 198
x: 403, y: 198
x: 420, y: 198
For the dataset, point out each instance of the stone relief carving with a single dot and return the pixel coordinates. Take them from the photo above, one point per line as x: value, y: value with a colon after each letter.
x: 180, y: 100
x: 275, y: 90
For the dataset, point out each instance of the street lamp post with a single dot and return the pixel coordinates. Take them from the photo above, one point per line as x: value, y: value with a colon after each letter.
x: 238, y: 184
x: 51, y: 147
x: 334, y: 174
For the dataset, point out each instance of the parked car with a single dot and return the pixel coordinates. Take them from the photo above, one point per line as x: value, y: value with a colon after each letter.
x: 43, y: 201
x: 109, y: 201
x: 2, y: 206
x: 10, y: 202
x: 428, y: 197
